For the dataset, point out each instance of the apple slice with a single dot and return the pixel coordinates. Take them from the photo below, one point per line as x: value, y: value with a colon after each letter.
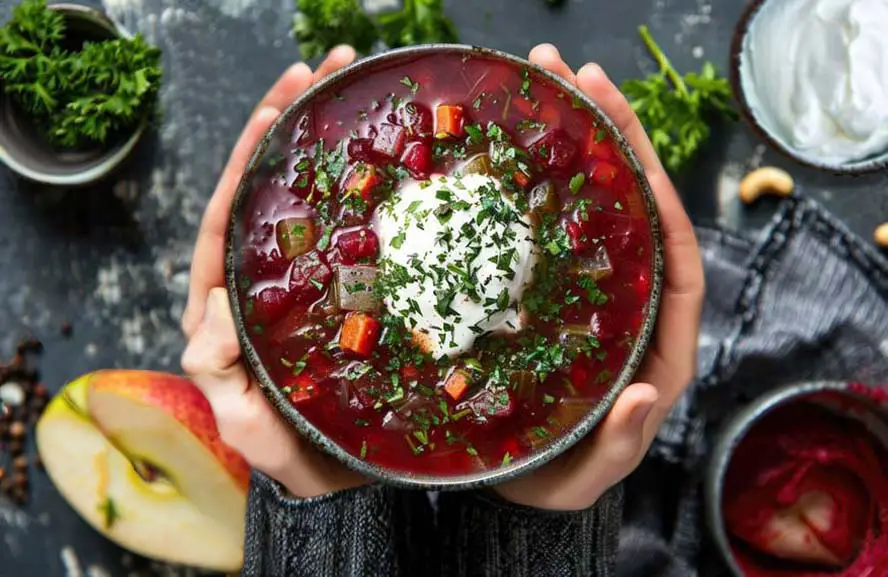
x: 148, y: 505
x: 164, y: 421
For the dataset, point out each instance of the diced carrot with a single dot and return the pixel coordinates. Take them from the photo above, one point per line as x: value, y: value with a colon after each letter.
x: 520, y: 178
x: 362, y: 181
x: 598, y: 145
x: 409, y: 372
x: 359, y: 333
x: 457, y: 384
x: 449, y: 121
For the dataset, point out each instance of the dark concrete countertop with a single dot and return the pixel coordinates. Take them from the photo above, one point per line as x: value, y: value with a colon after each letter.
x: 113, y: 259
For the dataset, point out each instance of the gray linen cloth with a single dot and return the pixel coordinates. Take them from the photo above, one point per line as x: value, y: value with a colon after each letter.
x: 806, y: 299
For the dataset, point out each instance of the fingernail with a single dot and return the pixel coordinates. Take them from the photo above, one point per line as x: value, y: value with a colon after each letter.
x: 593, y: 69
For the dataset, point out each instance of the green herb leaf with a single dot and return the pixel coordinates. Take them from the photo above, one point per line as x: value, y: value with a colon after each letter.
x: 577, y: 182
x: 79, y: 98
x: 676, y: 110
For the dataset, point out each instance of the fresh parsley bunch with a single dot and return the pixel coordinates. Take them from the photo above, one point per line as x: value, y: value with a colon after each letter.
x: 80, y: 98
x: 322, y: 24
x: 674, y: 109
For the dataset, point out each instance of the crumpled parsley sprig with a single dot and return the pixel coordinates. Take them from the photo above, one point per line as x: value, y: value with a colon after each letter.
x: 80, y: 98
x: 675, y: 110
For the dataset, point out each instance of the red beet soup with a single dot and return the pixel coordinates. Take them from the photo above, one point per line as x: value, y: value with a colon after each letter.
x: 448, y: 265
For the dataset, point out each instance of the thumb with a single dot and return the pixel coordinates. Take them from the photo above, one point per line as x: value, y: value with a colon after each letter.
x: 213, y: 351
x: 618, y: 445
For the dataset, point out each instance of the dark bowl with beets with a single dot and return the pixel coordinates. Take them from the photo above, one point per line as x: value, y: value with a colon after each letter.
x: 445, y: 264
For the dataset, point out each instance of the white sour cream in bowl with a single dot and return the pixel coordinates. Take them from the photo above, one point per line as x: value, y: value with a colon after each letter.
x: 814, y: 74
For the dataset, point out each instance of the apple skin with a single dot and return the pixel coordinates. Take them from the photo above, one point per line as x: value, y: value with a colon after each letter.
x: 90, y: 461
x: 176, y: 396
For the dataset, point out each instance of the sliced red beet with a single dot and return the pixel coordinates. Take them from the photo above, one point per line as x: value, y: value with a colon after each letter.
x: 556, y: 150
x: 357, y: 245
x: 361, y: 150
x: 389, y: 141
x: 309, y: 276
x: 271, y: 303
x: 417, y: 159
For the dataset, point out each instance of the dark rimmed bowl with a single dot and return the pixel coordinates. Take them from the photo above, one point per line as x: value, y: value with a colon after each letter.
x: 738, y: 47
x: 846, y: 399
x: 25, y: 151
x: 265, y: 152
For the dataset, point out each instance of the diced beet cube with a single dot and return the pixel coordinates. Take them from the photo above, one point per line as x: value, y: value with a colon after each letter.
x: 302, y: 179
x: 362, y: 180
x: 575, y: 233
x: 389, y: 141
x: 556, y: 150
x: 416, y: 118
x: 602, y: 325
x: 361, y: 149
x: 271, y: 303
x: 357, y: 245
x: 264, y: 264
x: 309, y: 276
x: 417, y: 159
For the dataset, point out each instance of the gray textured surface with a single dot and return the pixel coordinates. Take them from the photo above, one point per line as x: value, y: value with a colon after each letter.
x: 113, y: 259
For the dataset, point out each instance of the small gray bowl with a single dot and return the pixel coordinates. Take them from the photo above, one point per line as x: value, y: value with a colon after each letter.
x: 872, y: 413
x: 266, y: 151
x: 25, y: 151
x: 739, y: 47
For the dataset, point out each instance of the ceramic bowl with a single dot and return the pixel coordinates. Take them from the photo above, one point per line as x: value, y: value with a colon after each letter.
x: 745, y: 96
x: 265, y: 152
x: 849, y: 400
x: 25, y: 151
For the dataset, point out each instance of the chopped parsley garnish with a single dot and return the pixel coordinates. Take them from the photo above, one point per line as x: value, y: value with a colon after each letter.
x: 411, y: 84
x: 577, y: 182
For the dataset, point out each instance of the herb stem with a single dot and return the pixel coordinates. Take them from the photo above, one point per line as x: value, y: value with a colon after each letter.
x: 665, y: 66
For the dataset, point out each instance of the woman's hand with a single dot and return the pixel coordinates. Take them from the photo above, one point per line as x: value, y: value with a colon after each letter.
x: 245, y: 419
x: 578, y: 478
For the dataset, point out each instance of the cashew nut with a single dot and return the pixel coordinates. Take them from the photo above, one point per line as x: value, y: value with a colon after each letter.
x: 881, y: 235
x: 765, y: 180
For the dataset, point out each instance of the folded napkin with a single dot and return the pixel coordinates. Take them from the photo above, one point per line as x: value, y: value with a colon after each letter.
x: 805, y: 300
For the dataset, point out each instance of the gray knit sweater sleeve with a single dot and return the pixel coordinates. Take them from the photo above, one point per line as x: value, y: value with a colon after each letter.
x: 380, y: 531
x: 483, y: 535
x: 354, y: 533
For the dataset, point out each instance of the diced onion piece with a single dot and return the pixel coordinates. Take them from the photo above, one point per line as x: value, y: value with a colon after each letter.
x: 295, y: 236
x: 544, y: 199
x: 598, y: 267
x: 449, y: 121
x: 574, y: 336
x: 478, y: 164
x: 354, y: 288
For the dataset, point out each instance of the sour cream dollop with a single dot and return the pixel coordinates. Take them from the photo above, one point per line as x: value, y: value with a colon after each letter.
x: 815, y: 73
x: 455, y: 257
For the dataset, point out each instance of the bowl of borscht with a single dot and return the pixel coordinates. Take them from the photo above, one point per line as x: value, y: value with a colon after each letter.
x: 444, y: 263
